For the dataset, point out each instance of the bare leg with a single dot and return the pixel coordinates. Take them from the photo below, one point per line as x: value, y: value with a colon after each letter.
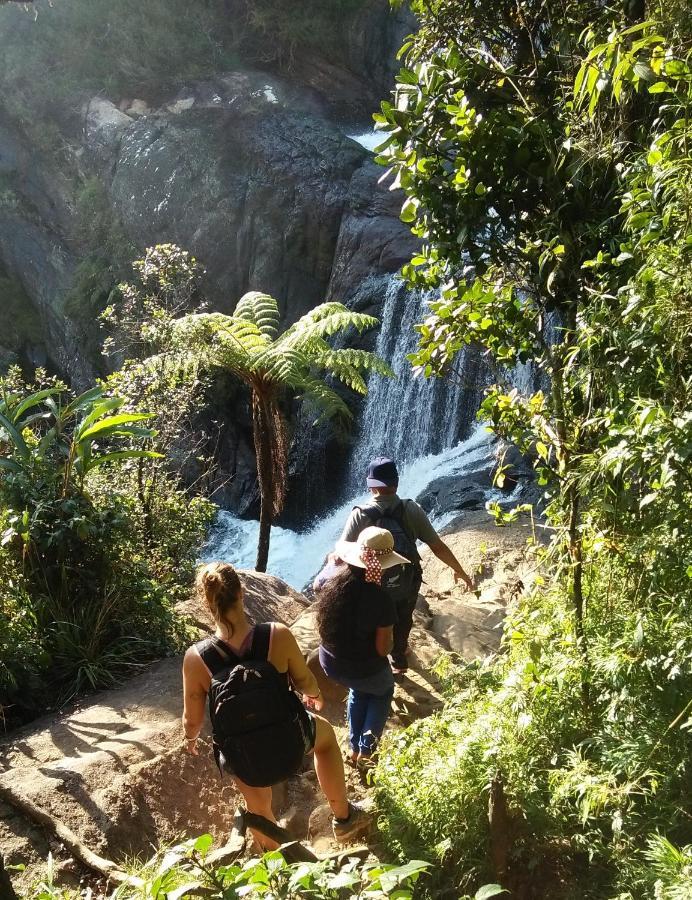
x: 258, y: 800
x: 330, y: 768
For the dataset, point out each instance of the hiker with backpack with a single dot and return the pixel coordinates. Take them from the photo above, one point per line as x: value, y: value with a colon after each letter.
x: 260, y: 729
x: 355, y: 620
x: 408, y: 523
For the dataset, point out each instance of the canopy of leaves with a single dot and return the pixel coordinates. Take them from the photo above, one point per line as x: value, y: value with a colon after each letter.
x: 544, y: 149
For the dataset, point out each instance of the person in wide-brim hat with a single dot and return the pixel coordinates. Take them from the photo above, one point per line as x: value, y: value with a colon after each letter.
x: 374, y: 548
x: 355, y: 620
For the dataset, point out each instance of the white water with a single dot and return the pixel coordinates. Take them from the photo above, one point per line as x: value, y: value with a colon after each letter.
x: 407, y: 417
x: 296, y: 557
x: 369, y: 139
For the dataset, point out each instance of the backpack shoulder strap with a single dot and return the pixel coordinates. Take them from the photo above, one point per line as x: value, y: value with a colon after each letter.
x: 216, y: 655
x: 261, y: 640
x: 372, y: 512
x: 398, y: 513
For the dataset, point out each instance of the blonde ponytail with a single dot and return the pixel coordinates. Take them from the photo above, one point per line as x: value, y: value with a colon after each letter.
x: 219, y: 585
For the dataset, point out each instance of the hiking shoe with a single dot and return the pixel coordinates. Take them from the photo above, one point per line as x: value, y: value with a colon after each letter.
x: 358, y: 822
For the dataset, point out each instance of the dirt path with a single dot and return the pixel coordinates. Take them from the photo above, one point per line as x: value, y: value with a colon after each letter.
x: 113, y: 770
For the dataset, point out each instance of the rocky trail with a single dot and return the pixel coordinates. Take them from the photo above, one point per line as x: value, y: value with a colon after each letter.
x: 112, y: 768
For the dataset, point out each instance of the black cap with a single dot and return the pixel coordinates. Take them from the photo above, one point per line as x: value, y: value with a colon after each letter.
x: 382, y: 472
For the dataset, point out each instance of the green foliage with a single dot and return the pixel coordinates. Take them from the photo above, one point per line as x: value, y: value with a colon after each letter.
x: 313, y: 26
x: 185, y: 870
x: 107, y: 250
x: 587, y: 789
x: 272, y: 876
x: 544, y: 151
x: 86, y: 47
x: 89, y: 585
x: 20, y: 323
x: 56, y: 54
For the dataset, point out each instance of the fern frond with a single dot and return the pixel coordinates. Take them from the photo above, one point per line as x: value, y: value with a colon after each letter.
x: 324, y: 321
x: 326, y: 400
x: 283, y: 367
x: 262, y: 310
x: 242, y: 334
x: 363, y: 360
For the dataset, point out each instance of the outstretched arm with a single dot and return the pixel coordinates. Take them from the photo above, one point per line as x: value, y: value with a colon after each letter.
x: 443, y: 553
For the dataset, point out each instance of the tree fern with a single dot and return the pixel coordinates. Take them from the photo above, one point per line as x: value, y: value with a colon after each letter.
x: 247, y: 345
x: 324, y: 321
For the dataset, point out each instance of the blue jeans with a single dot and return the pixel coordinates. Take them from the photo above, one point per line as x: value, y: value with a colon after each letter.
x: 367, y: 716
x: 369, y: 701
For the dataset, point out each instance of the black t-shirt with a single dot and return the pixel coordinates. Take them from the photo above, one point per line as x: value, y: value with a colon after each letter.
x: 350, y: 638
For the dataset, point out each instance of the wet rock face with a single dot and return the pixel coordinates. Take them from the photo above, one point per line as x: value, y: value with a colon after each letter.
x: 256, y: 194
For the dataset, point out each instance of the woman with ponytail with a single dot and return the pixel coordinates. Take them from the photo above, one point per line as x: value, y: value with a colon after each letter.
x: 237, y: 639
x: 355, y: 618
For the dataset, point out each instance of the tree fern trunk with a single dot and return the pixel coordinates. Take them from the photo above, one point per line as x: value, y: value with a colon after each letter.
x: 265, y: 476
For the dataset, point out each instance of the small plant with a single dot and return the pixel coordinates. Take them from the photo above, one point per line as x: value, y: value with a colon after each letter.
x: 185, y: 870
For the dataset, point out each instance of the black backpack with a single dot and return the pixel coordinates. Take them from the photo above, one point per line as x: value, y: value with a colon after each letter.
x: 260, y: 729
x: 402, y: 582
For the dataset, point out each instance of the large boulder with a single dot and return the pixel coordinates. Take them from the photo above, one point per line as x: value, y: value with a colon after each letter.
x: 266, y: 597
x: 254, y: 190
x: 104, y: 125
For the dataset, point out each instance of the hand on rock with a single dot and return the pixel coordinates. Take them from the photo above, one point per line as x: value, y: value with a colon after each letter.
x: 462, y: 576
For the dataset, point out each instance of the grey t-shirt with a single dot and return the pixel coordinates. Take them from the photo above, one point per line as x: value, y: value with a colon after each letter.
x: 416, y: 522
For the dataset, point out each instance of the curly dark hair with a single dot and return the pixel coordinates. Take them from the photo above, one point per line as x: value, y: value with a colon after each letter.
x: 336, y: 608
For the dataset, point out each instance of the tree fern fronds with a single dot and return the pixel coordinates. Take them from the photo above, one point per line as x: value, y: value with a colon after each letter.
x: 362, y: 360
x: 327, y: 323
x: 327, y: 401
x: 262, y: 310
x: 278, y: 363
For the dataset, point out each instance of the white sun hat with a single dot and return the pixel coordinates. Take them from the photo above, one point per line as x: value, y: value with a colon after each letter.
x: 372, y: 541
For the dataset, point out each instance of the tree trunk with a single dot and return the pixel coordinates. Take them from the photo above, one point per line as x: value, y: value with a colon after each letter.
x: 571, y: 496
x: 261, y: 427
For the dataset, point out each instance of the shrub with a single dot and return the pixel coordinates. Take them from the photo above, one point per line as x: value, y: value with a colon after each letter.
x: 88, y: 593
x: 588, y: 785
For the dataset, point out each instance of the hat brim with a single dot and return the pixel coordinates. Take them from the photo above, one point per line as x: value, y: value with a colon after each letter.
x: 349, y: 551
x: 375, y: 482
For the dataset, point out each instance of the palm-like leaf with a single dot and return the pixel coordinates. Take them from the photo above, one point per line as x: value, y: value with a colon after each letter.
x: 15, y: 437
x: 260, y: 309
x: 30, y: 402
x: 328, y: 402
x: 324, y: 321
x: 348, y: 364
x: 246, y: 345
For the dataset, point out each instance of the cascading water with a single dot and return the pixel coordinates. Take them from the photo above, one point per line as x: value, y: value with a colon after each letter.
x: 296, y: 557
x: 408, y: 417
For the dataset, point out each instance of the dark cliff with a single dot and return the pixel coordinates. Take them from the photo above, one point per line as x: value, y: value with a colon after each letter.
x: 249, y: 168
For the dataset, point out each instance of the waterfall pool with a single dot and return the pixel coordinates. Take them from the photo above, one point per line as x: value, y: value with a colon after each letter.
x: 297, y: 556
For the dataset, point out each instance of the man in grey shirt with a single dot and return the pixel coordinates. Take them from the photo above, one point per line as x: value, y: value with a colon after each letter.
x: 383, y: 482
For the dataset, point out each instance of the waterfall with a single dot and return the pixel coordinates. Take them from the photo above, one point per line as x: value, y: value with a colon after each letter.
x: 297, y: 556
x: 409, y: 417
